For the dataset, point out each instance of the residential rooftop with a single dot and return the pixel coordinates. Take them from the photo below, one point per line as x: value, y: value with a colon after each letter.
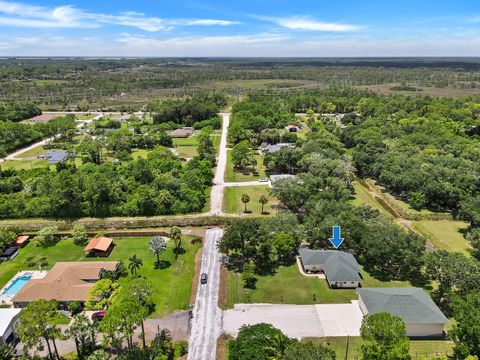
x: 338, y: 265
x: 412, y: 305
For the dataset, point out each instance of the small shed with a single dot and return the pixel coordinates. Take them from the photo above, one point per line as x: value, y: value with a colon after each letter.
x: 22, y: 240
x: 9, y: 253
x: 99, y: 246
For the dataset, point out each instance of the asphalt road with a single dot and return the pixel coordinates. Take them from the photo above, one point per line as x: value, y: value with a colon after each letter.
x: 206, y: 324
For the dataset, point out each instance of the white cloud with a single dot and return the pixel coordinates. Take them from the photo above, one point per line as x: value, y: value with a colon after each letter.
x: 266, y: 44
x: 306, y: 24
x: 25, y: 15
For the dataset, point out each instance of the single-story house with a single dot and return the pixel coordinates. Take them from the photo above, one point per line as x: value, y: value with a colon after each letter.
x: 182, y: 133
x: 99, y: 246
x: 65, y: 282
x: 8, y: 320
x: 422, y: 317
x: 341, y: 269
x: 54, y: 157
x: 273, y: 148
x: 42, y: 118
x: 292, y: 128
x: 9, y: 253
x: 22, y: 240
x: 274, y: 178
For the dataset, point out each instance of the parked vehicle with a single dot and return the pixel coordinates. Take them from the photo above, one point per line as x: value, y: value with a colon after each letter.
x: 98, y: 316
x: 263, y: 180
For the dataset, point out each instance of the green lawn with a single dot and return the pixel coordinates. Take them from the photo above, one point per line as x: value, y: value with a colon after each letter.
x: 140, y: 153
x: 186, y: 147
x: 24, y: 164
x: 422, y: 349
x: 364, y: 197
x: 172, y: 285
x: 232, y: 203
x: 289, y: 286
x: 232, y: 176
x: 444, y: 234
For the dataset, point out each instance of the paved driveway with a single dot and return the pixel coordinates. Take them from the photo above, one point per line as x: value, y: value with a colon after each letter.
x: 297, y: 321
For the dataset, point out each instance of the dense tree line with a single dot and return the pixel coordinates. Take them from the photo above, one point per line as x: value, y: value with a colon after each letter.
x: 18, y: 111
x: 59, y: 83
x: 187, y: 111
x: 158, y: 185
x: 16, y: 135
x: 421, y: 150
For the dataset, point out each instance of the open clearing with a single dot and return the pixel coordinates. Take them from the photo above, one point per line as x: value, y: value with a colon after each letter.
x: 172, y: 282
x: 425, y: 91
x: 232, y: 203
x: 444, y: 234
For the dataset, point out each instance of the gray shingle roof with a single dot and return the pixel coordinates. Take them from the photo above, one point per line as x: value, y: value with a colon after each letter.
x: 276, y: 147
x: 338, y: 265
x: 54, y: 157
x: 412, y: 305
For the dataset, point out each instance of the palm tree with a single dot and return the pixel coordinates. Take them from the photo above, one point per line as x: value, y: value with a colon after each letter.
x: 176, y: 237
x: 263, y: 200
x: 134, y: 263
x: 157, y: 246
x: 245, y: 199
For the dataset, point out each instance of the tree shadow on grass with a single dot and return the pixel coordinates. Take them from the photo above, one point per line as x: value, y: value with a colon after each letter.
x: 163, y: 264
x: 180, y: 251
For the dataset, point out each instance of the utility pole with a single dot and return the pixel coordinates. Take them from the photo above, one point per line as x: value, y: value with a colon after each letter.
x: 346, y: 350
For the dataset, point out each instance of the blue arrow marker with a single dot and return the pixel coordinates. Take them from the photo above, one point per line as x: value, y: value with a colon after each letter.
x: 336, y: 240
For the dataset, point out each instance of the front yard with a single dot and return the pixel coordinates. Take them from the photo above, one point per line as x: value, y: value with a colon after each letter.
x: 172, y: 284
x: 232, y: 203
x: 288, y: 286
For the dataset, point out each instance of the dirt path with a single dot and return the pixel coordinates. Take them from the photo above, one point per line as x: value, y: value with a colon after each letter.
x: 398, y: 219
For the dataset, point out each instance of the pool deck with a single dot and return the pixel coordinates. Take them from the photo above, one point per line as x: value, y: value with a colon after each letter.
x: 34, y: 274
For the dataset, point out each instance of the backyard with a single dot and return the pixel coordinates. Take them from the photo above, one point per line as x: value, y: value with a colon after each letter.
x: 172, y: 283
x: 232, y: 203
x: 289, y: 286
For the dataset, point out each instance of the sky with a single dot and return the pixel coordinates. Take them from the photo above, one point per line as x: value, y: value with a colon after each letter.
x: 258, y: 28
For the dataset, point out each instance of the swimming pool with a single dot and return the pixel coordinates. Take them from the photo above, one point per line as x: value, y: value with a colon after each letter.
x: 16, y: 285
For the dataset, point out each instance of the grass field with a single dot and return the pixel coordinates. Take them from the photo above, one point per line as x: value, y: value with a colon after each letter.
x: 425, y: 91
x: 140, y: 153
x: 24, y: 164
x: 232, y: 176
x: 172, y: 285
x: 444, y: 234
x: 418, y: 348
x: 232, y: 203
x: 186, y: 147
x: 289, y: 286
